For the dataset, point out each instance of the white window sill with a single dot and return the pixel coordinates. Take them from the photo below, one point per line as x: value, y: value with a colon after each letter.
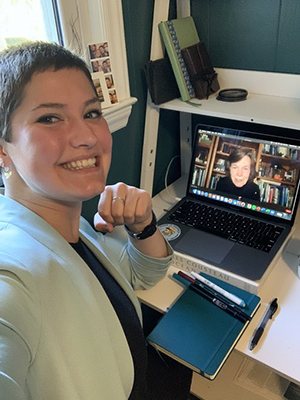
x: 117, y: 116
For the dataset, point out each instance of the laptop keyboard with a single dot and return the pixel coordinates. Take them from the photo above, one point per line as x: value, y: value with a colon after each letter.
x: 237, y: 228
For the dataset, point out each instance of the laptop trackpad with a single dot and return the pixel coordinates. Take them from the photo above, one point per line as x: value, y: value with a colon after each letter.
x: 204, y: 246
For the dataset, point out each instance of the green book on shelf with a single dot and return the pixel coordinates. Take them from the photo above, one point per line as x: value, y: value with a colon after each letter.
x: 176, y: 35
x: 199, y: 334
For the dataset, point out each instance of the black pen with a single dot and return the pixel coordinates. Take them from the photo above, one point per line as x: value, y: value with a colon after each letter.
x: 199, y: 289
x: 271, y: 309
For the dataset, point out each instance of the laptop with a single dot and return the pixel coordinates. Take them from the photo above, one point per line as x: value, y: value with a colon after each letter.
x: 241, y: 199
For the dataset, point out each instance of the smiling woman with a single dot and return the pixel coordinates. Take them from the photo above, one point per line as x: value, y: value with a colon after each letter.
x: 70, y: 323
x: 68, y: 123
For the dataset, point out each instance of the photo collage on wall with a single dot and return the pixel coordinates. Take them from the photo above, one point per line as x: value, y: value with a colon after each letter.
x: 102, y: 73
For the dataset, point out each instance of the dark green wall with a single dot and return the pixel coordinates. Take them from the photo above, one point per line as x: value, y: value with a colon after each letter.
x: 259, y: 35
x: 138, y: 29
x: 240, y: 34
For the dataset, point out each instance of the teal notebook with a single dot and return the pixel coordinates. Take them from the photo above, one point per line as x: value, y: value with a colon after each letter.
x: 199, y: 334
x: 176, y: 35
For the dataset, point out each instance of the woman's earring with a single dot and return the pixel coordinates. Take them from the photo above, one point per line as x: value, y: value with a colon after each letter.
x: 7, y: 172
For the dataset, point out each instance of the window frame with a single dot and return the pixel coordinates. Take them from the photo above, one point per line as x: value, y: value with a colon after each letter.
x: 89, y: 21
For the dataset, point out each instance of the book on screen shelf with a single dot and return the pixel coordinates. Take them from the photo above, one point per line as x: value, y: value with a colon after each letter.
x: 189, y: 264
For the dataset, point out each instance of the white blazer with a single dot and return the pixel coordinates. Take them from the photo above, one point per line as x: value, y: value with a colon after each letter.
x: 60, y: 338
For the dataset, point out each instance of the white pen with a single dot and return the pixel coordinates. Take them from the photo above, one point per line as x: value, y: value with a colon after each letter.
x: 220, y: 290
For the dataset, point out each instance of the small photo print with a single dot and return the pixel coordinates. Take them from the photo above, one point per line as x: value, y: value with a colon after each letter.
x: 98, y: 50
x: 106, y: 66
x: 113, y: 97
x: 99, y: 91
x: 109, y: 80
x: 96, y: 66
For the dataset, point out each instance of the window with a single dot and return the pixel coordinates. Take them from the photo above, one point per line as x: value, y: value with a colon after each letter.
x: 75, y: 24
x: 23, y: 20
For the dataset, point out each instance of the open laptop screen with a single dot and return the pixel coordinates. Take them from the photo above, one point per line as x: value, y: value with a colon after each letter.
x: 249, y: 170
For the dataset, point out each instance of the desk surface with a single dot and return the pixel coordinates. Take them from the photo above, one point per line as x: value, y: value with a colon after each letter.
x: 279, y: 347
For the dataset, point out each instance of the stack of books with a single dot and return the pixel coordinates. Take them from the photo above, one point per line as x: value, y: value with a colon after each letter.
x: 189, y: 58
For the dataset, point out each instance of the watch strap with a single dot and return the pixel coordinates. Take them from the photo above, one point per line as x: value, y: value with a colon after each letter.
x: 148, y: 231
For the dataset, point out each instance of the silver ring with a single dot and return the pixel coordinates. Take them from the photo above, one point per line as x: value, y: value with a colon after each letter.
x: 119, y: 198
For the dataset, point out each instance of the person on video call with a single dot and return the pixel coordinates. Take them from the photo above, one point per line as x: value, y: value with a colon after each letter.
x: 240, y: 174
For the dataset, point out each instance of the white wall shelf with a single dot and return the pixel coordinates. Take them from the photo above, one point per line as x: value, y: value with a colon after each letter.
x: 258, y: 108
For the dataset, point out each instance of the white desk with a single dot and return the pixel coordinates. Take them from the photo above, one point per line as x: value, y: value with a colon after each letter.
x: 279, y: 347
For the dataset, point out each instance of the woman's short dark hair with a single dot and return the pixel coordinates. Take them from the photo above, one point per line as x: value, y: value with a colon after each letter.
x: 17, y: 66
x: 236, y: 155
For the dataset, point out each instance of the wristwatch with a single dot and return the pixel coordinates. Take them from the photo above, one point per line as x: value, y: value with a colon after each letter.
x: 148, y: 231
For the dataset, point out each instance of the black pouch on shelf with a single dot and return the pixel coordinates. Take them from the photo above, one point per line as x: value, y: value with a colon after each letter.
x: 203, y: 77
x: 161, y: 81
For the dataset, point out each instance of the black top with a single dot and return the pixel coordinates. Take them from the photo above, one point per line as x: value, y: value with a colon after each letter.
x: 249, y: 191
x: 127, y: 315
